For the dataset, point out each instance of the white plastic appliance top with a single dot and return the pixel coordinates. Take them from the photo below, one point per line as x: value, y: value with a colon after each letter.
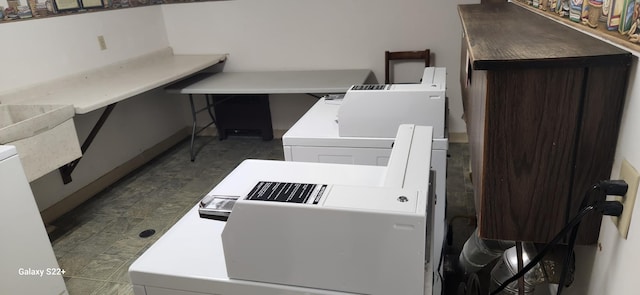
x: 190, y: 257
x: 318, y: 127
x: 7, y: 151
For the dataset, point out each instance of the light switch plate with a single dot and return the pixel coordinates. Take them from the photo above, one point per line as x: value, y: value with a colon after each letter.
x: 631, y: 176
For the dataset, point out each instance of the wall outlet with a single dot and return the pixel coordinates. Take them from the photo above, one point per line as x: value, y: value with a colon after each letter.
x: 102, y: 43
x: 631, y: 176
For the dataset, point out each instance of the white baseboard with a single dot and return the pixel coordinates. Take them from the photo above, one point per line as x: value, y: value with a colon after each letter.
x: 455, y: 137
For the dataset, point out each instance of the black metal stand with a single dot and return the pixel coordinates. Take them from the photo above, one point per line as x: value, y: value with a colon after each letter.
x: 66, y: 170
x: 243, y: 114
x: 194, y: 113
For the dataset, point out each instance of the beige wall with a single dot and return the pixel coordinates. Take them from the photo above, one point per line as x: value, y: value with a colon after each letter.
x: 611, y: 267
x: 304, y: 34
x: 276, y: 34
x: 45, y: 49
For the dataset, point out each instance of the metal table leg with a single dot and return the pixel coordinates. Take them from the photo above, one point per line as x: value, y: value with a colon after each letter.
x: 194, y: 113
x: 193, y: 128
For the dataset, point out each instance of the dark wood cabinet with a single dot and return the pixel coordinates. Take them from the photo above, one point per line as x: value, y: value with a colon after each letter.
x: 542, y: 104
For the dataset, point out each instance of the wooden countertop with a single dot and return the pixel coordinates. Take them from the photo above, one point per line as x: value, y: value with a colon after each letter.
x: 92, y: 90
x: 506, y: 35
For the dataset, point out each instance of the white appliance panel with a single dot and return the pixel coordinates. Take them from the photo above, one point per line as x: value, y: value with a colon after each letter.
x: 28, y: 265
x: 189, y: 258
x: 358, y: 236
x: 341, y: 155
x: 377, y: 112
x: 316, y: 138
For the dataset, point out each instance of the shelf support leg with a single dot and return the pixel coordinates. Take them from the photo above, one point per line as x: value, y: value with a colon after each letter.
x: 66, y: 170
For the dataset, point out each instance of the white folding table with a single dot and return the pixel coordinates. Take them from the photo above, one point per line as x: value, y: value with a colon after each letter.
x: 223, y: 87
x: 104, y: 87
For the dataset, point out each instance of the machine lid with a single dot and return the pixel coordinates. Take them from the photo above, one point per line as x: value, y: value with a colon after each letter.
x: 318, y: 128
x: 7, y: 151
x: 345, y: 142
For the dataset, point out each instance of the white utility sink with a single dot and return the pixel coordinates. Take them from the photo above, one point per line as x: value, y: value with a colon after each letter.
x: 44, y: 136
x: 22, y: 121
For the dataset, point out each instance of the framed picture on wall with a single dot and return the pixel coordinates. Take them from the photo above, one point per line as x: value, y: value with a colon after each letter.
x: 92, y: 3
x: 41, y: 8
x: 15, y: 9
x: 62, y: 5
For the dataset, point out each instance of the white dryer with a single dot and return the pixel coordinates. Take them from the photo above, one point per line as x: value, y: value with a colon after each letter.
x: 28, y: 265
x: 316, y: 136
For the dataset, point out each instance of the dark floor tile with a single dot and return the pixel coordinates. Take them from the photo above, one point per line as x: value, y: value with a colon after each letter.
x: 122, y: 224
x: 117, y: 205
x: 141, y: 188
x: 102, y: 266
x: 97, y: 223
x: 73, y: 263
x: 158, y: 223
x: 199, y: 185
x: 71, y: 240
x: 79, y: 286
x: 110, y: 288
x: 142, y: 208
x: 127, y: 247
x: 122, y: 274
x: 171, y: 208
x: 98, y: 243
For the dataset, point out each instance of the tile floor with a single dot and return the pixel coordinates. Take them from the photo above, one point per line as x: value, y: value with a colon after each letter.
x: 96, y: 242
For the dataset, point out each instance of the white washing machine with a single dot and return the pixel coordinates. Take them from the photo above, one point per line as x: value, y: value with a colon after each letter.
x: 316, y: 138
x: 29, y: 265
x: 303, y: 228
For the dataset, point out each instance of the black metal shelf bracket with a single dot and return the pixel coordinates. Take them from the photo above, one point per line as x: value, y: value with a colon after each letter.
x: 66, y: 170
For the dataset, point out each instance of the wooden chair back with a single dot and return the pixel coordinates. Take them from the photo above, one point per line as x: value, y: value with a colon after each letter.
x: 389, y: 56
